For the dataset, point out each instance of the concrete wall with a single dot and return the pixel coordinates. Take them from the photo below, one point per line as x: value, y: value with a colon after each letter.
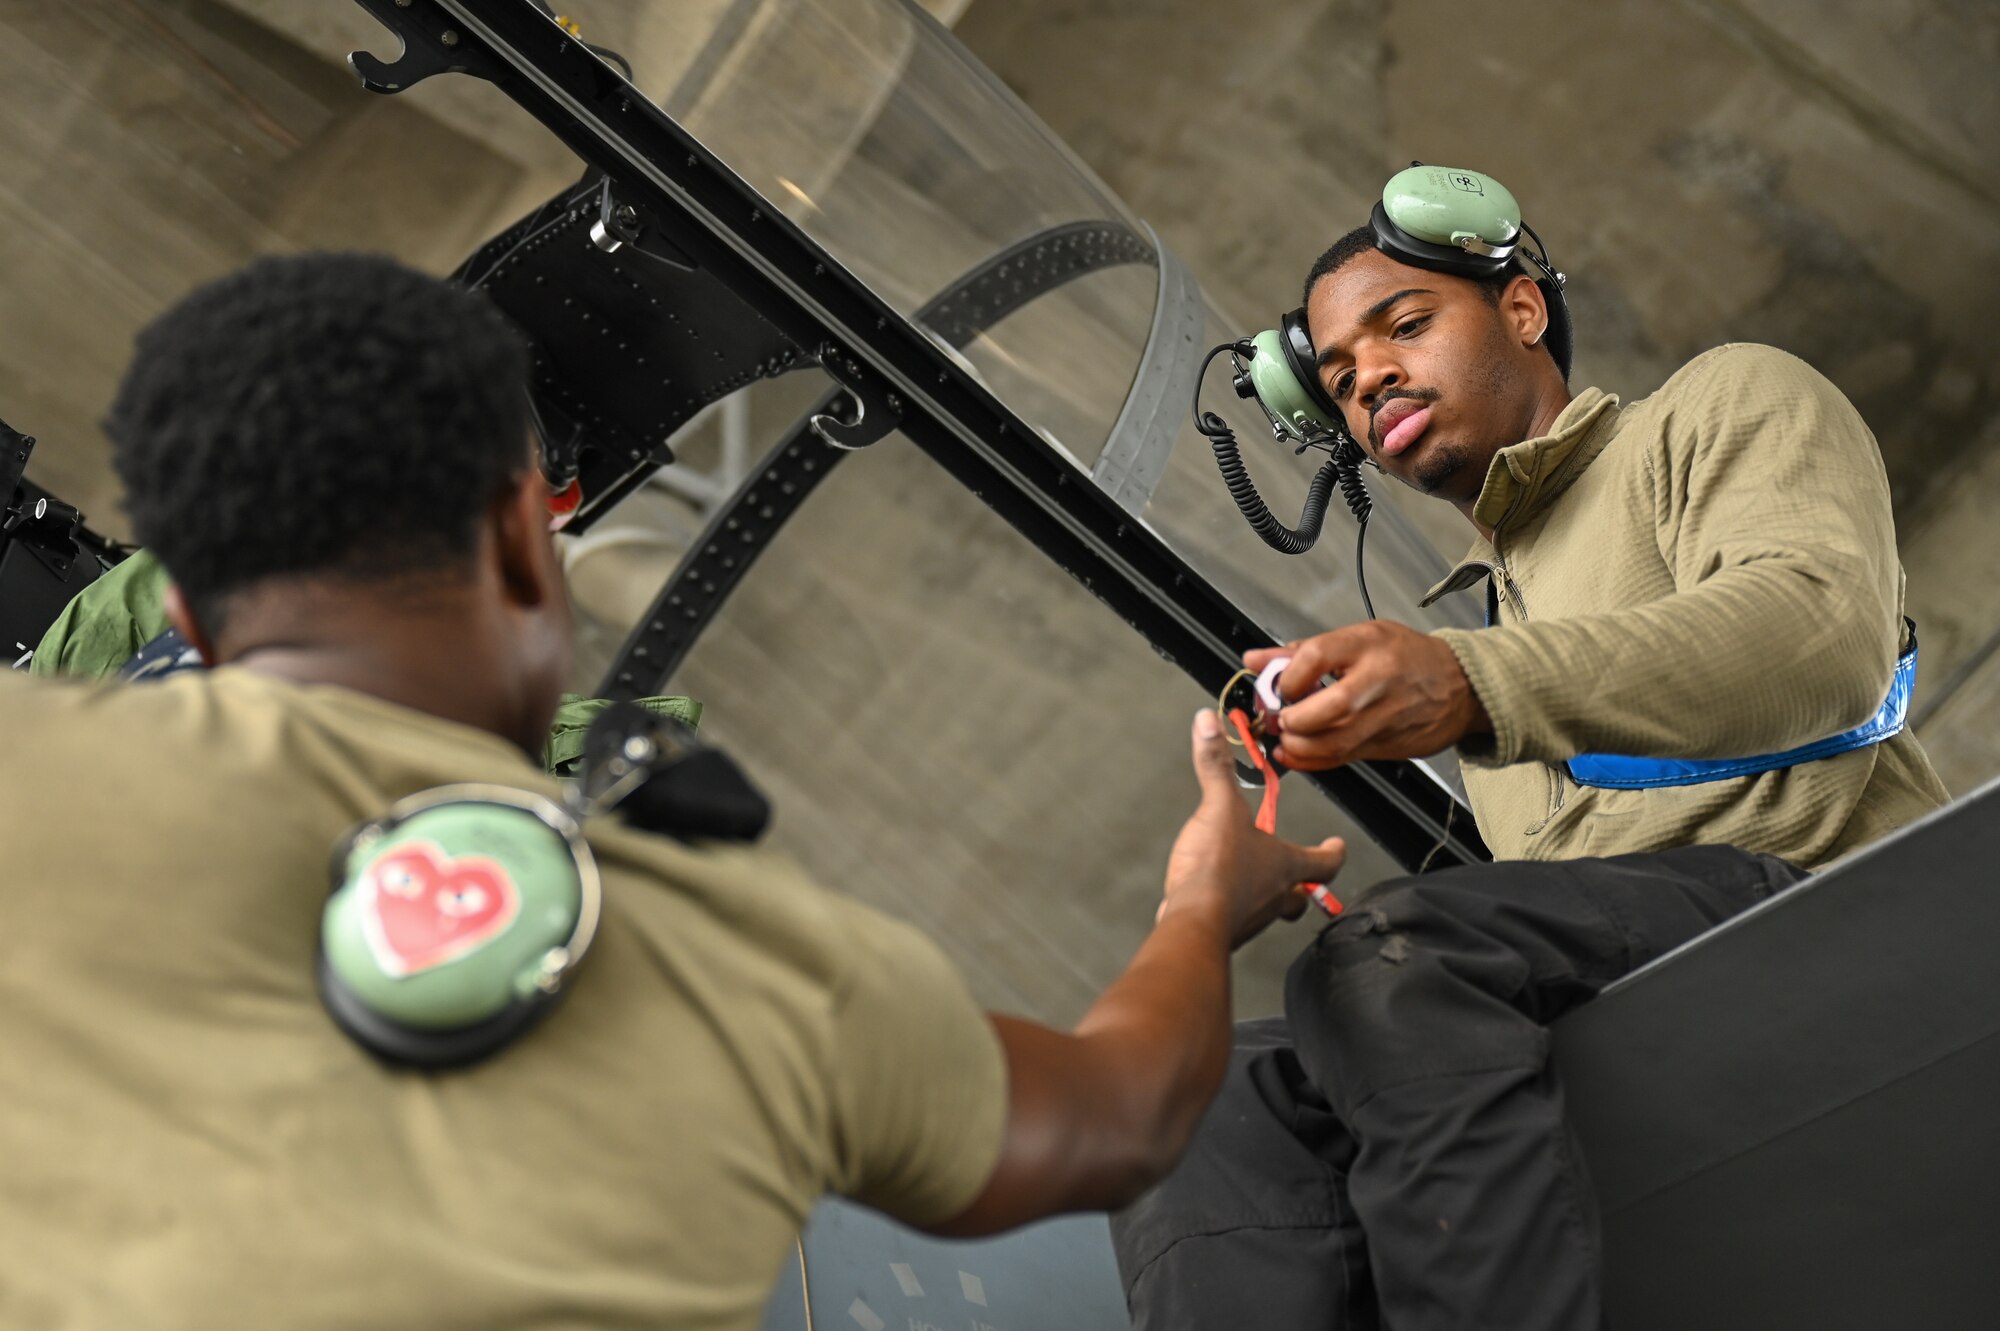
x: 152, y: 146
x: 1816, y: 175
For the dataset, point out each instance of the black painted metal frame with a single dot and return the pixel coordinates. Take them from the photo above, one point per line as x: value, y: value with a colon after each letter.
x: 629, y: 338
x: 893, y: 369
x: 47, y: 552
x: 792, y: 469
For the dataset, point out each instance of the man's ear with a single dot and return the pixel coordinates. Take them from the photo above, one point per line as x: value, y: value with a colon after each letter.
x: 529, y: 568
x: 1525, y: 310
x: 181, y: 616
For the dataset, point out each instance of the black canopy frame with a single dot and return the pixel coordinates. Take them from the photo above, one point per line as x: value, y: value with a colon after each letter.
x: 892, y: 374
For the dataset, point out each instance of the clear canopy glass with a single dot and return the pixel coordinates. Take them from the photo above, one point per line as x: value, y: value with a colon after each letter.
x: 869, y: 126
x: 950, y: 726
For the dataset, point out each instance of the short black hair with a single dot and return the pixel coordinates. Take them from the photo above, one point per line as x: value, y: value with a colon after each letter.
x: 1362, y: 239
x: 318, y: 414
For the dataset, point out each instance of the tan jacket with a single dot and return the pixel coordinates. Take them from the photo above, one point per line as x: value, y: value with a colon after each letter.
x: 1710, y: 572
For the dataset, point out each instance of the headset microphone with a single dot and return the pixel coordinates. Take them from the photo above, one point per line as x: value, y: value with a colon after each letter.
x: 1441, y: 218
x: 1293, y: 413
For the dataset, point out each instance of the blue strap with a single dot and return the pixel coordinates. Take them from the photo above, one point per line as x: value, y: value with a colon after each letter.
x: 1619, y: 772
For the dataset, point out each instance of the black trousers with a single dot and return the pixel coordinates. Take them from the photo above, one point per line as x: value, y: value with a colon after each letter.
x: 1392, y: 1152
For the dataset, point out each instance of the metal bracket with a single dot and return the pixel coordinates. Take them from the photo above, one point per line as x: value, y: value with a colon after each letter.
x: 846, y: 421
x: 47, y: 527
x: 432, y: 44
x: 845, y: 424
x: 1135, y: 455
x: 15, y: 450
x: 47, y: 554
x: 619, y: 224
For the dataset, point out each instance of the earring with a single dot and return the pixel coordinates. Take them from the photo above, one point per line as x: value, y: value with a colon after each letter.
x: 1538, y: 337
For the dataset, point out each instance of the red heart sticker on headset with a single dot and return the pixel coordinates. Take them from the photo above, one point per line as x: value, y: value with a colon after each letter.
x: 425, y: 907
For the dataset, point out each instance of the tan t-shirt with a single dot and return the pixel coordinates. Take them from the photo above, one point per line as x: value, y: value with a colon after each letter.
x: 186, y: 1141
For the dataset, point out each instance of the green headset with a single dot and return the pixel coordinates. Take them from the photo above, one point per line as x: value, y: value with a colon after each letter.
x: 458, y: 918
x: 454, y: 922
x: 1441, y: 218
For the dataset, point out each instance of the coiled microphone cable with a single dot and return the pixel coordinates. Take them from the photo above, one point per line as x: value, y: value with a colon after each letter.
x: 1342, y: 469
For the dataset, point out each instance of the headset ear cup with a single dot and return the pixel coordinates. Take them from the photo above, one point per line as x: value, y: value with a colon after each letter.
x: 412, y: 992
x: 407, y: 1046
x: 1400, y: 245
x: 1302, y: 361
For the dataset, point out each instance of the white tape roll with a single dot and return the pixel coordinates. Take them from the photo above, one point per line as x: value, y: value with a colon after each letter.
x: 1267, y: 684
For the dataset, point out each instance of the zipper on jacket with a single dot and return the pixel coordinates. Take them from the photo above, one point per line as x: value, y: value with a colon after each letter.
x: 1558, y: 787
x: 1513, y: 590
x: 1509, y: 587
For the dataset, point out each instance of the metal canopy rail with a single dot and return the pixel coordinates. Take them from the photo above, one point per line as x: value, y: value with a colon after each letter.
x: 900, y: 378
x: 793, y: 468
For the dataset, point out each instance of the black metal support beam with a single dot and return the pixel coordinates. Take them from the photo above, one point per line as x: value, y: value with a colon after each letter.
x: 890, y: 365
x: 778, y: 486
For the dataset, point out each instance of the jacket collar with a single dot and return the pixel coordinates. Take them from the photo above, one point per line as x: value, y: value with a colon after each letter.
x: 1525, y: 478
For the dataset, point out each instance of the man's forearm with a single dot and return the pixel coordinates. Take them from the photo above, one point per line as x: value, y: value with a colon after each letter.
x: 1759, y: 657
x: 1099, y: 1115
x: 1161, y: 1034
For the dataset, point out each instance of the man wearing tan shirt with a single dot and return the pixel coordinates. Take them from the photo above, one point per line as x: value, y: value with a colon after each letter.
x: 1695, y: 616
x: 330, y: 455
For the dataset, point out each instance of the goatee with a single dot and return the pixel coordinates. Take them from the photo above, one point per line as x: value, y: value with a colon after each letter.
x: 1440, y: 464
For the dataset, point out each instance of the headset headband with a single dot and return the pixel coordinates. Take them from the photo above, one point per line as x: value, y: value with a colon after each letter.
x: 1451, y: 220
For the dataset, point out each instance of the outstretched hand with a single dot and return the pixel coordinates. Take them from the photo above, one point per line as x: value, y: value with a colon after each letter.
x: 1398, y: 694
x: 1222, y: 862
x: 1099, y: 1114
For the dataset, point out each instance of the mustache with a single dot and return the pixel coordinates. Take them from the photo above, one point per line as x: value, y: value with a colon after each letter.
x: 1423, y: 395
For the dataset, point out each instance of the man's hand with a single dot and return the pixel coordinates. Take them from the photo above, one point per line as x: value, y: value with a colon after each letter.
x: 1098, y: 1115
x: 1222, y: 863
x: 1399, y: 694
